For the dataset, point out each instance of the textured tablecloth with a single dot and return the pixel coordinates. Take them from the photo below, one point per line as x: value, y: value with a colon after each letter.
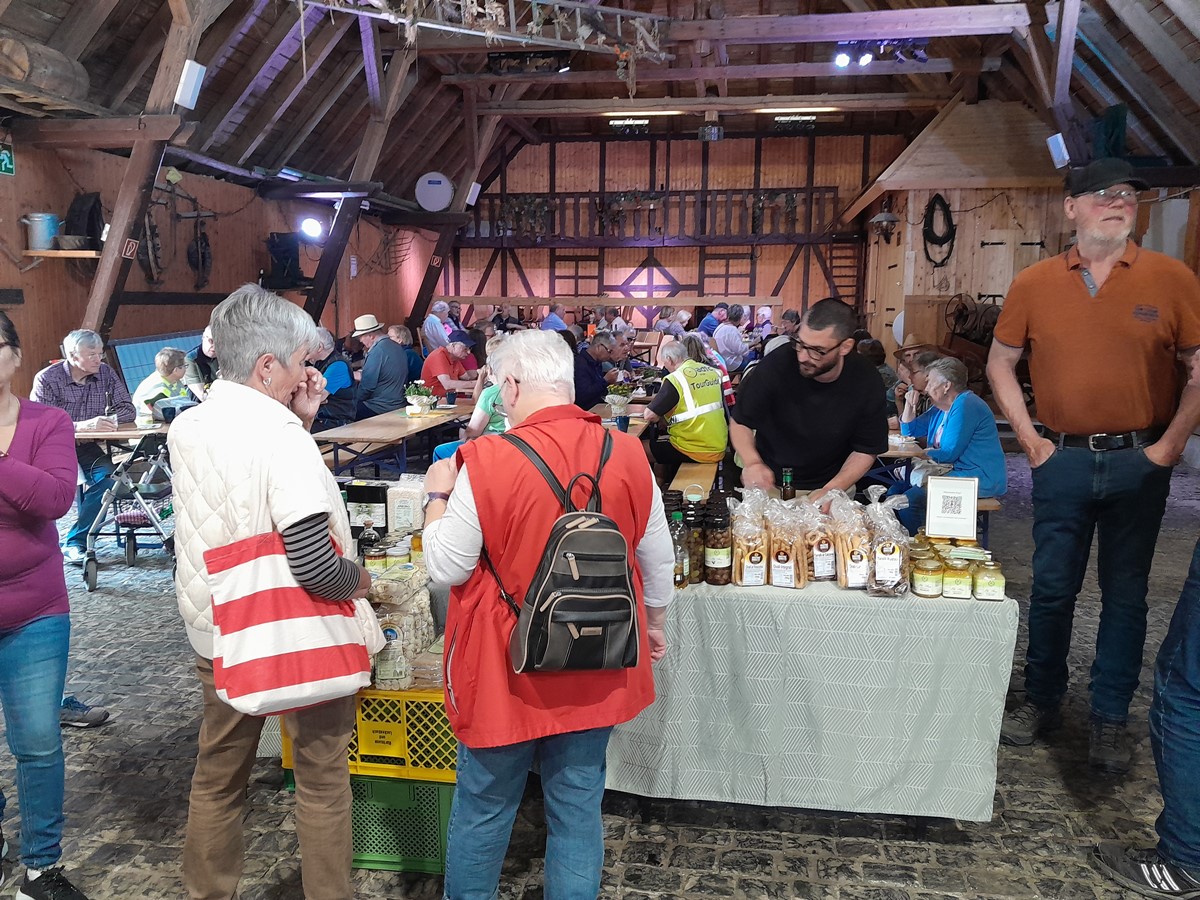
x: 826, y: 699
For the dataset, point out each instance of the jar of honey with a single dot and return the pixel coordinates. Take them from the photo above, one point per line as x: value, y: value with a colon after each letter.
x: 927, y: 575
x: 989, y: 581
x: 375, y: 559
x: 957, y: 583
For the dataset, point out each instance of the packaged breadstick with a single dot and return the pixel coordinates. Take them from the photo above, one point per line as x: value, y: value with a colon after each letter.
x: 787, y: 552
x: 749, y: 539
x: 821, y: 549
x: 890, y: 563
x: 852, y: 540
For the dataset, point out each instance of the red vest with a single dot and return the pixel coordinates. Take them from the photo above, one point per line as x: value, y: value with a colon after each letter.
x: 487, y: 703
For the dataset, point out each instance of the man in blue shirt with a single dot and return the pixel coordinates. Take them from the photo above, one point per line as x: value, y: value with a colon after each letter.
x: 554, y: 320
x: 710, y: 322
x: 591, y: 381
x: 384, y: 373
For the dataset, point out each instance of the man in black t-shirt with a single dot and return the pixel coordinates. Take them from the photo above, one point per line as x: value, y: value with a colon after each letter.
x: 816, y: 407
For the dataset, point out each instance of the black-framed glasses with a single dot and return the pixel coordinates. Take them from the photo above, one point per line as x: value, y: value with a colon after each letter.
x: 817, y: 353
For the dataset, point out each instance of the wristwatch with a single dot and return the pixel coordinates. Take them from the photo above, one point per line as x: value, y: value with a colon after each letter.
x: 436, y: 495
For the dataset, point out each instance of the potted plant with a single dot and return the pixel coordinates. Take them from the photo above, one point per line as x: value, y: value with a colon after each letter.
x: 618, y: 398
x: 420, y: 398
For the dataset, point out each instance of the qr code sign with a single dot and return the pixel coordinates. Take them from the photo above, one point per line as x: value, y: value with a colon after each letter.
x: 952, y: 505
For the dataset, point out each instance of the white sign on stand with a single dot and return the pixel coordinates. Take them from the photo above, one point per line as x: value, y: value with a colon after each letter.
x: 951, y: 507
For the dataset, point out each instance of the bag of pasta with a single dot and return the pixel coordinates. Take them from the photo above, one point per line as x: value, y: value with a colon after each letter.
x: 890, y: 564
x: 787, y: 551
x: 852, y: 540
x: 749, y: 538
x: 819, y: 544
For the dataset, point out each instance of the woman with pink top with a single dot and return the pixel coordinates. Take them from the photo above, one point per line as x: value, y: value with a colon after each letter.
x: 37, y: 486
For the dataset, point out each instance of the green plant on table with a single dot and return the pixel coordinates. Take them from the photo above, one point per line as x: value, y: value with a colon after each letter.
x: 418, y: 389
x: 621, y: 389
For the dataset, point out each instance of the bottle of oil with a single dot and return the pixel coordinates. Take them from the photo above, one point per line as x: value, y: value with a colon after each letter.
x: 787, y: 491
x: 679, y: 539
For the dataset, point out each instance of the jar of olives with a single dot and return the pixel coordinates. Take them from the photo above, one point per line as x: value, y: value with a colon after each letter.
x: 694, y: 523
x: 718, y: 549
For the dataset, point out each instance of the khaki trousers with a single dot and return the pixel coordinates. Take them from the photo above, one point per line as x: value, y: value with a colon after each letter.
x: 213, y: 849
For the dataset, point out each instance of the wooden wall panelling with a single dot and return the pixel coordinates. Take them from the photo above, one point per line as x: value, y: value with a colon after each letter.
x: 784, y: 162
x: 532, y: 176
x: 577, y: 165
x: 731, y: 164
x: 627, y: 166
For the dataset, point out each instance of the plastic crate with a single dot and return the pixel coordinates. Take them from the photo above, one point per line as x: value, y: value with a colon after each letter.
x: 398, y: 734
x: 400, y: 825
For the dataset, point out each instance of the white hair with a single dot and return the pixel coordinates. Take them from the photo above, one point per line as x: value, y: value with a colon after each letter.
x: 674, y: 352
x: 603, y: 339
x: 325, y: 341
x: 537, y: 360
x: 683, y: 316
x: 79, y: 339
x: 251, y: 322
x: 440, y: 307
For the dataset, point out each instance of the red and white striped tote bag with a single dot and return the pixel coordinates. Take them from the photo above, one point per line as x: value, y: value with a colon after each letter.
x: 276, y: 647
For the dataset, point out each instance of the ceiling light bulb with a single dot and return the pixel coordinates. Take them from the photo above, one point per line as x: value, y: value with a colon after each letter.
x: 842, y: 59
x: 311, y: 228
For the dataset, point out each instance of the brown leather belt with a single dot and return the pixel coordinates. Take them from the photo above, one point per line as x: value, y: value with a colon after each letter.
x: 1099, y: 443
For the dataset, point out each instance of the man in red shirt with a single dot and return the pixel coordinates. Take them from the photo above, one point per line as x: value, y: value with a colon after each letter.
x: 491, y: 494
x: 445, y: 368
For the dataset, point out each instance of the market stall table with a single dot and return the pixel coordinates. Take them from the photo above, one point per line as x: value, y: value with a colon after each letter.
x: 826, y: 699
x: 383, y: 437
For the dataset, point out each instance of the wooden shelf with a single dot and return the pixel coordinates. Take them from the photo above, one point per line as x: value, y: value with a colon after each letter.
x: 64, y: 254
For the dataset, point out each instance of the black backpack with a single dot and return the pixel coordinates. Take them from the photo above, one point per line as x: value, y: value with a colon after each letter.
x: 580, y: 611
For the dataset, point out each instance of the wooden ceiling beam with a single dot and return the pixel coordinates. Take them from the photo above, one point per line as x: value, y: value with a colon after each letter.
x: 524, y: 129
x: 877, y: 25
x: 1105, y: 97
x: 695, y: 105
x: 646, y: 75
x: 1142, y: 89
x: 394, y: 161
x: 394, y: 90
x: 4, y: 5
x: 1065, y: 33
x: 368, y: 29
x: 1188, y: 14
x: 249, y: 75
x: 277, y: 102
x: 79, y: 26
x: 146, y: 49
x: 346, y: 71
x: 407, y: 172
x: 115, y: 131
x: 1161, y: 45
x: 217, y: 41
x: 327, y: 161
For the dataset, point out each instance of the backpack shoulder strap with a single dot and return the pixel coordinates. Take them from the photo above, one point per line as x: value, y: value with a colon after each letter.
x: 540, y: 465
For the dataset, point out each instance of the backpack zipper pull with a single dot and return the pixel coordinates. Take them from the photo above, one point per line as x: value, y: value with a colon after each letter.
x: 571, y: 562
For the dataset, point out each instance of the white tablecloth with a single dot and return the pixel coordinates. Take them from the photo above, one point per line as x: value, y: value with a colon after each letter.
x: 826, y: 699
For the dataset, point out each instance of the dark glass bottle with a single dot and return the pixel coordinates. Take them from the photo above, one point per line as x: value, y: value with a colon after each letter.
x: 787, y: 491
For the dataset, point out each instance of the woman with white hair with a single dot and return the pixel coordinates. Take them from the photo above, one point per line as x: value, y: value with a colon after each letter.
x: 245, y: 466
x: 339, y: 407
x: 960, y: 433
x: 691, y: 404
x: 434, y: 329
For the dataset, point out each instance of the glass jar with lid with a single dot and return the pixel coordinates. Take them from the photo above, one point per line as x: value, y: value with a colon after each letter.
x: 927, y: 575
x: 718, y: 549
x: 989, y: 581
x: 957, y: 583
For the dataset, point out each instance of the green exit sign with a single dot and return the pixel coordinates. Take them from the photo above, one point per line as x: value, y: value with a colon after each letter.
x: 8, y: 163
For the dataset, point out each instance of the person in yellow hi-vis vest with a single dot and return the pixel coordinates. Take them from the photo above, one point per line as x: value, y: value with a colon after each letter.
x: 691, y: 404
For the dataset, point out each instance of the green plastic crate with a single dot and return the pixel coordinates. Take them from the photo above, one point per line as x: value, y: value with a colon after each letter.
x: 400, y: 825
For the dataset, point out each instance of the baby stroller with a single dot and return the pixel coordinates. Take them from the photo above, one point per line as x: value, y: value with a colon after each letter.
x: 138, y: 502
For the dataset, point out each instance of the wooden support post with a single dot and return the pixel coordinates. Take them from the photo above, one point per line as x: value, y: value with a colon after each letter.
x: 396, y: 77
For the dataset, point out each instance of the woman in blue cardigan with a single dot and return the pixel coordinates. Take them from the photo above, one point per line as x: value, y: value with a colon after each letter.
x: 959, y: 431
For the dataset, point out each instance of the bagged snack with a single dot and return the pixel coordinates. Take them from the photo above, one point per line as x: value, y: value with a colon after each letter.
x: 821, y: 552
x: 890, y: 563
x: 852, y: 540
x: 749, y: 539
x: 787, y: 550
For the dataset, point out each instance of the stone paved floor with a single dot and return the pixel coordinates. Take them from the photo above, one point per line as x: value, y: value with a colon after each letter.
x: 127, y: 782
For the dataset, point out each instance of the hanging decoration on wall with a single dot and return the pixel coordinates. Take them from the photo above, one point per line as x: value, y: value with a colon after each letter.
x: 199, y: 255
x: 149, y: 251
x: 938, y: 234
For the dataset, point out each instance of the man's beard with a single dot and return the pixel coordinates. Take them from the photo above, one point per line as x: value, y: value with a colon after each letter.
x: 817, y: 370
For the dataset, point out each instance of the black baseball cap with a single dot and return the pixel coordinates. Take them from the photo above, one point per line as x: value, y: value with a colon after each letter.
x: 461, y: 337
x: 1100, y: 174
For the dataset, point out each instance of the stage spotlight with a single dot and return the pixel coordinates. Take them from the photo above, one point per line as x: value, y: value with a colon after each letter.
x: 312, y: 228
x: 865, y: 57
x: 842, y: 59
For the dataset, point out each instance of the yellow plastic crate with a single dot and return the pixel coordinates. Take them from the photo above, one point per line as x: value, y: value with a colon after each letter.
x: 398, y: 734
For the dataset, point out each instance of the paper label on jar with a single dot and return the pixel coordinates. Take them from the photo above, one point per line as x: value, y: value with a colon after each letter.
x: 926, y: 584
x: 957, y: 586
x: 718, y: 557
x: 754, y: 573
x: 858, y: 569
x: 988, y: 587
x: 360, y: 512
x: 887, y: 563
x: 824, y: 559
x: 783, y: 573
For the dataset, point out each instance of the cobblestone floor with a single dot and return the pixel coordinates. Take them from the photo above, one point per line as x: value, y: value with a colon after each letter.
x: 127, y: 782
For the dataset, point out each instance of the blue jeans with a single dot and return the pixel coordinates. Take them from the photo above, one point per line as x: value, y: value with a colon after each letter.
x: 1175, y: 728
x: 490, y: 785
x: 33, y: 670
x: 1076, y: 493
x: 96, y: 466
x: 912, y: 517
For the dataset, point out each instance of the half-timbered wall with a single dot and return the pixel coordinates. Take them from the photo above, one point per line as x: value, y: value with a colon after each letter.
x: 640, y: 219
x: 55, y: 292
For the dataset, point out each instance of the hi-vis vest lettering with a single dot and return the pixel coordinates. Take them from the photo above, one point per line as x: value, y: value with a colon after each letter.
x: 697, y: 426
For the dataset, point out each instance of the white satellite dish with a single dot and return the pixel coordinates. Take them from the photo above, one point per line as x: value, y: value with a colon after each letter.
x: 898, y: 329
x: 435, y: 192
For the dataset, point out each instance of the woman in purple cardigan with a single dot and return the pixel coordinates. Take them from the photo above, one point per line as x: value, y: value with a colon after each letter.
x: 37, y: 486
